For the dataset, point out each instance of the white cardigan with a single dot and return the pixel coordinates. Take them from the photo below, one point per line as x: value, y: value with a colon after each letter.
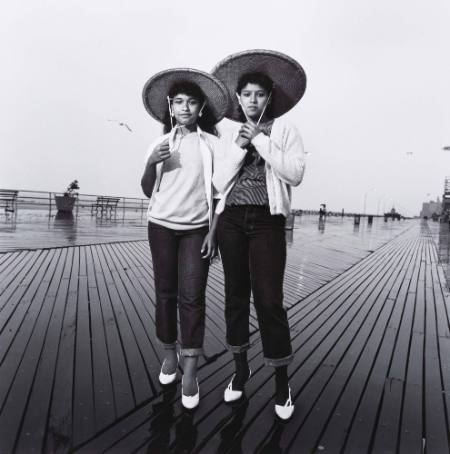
x: 285, y: 164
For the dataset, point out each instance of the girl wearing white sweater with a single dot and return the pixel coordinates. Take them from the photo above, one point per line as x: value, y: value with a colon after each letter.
x: 178, y: 180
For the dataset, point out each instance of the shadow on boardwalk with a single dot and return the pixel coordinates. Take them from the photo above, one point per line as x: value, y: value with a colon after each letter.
x: 369, y: 314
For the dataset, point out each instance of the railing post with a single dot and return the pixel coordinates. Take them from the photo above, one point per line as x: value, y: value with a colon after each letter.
x: 49, y: 204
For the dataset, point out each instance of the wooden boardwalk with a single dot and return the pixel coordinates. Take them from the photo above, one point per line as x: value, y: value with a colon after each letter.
x: 369, y: 316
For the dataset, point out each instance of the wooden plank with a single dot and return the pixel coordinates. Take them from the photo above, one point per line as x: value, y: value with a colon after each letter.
x: 59, y: 433
x: 4, y: 257
x: 83, y: 417
x: 411, y: 433
x: 442, y: 296
x: 336, y: 404
x: 34, y: 424
x: 27, y: 348
x: 13, y: 296
x: 123, y: 391
x: 139, y: 296
x: 10, y: 269
x: 437, y: 429
x: 8, y: 261
x: 12, y: 342
x: 355, y: 431
x: 104, y: 399
x: 133, y: 332
x: 388, y: 423
x: 339, y: 331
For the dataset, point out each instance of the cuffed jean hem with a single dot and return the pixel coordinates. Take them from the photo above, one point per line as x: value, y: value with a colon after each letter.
x: 277, y: 362
x: 191, y: 351
x: 171, y: 346
x: 239, y: 348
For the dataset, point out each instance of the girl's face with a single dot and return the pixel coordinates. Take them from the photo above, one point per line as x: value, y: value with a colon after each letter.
x: 253, y: 100
x: 185, y: 109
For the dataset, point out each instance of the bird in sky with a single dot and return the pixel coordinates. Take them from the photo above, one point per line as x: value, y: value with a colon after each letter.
x: 121, y: 123
x: 409, y: 153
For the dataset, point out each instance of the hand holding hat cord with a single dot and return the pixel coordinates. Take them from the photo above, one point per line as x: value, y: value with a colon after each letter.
x: 250, y: 129
x: 160, y: 153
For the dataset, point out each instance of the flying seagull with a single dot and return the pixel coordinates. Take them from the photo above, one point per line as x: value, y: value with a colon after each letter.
x: 121, y: 123
x: 446, y: 148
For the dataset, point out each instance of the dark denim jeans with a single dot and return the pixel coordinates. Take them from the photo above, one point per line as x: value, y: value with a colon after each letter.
x: 180, y: 277
x: 252, y: 244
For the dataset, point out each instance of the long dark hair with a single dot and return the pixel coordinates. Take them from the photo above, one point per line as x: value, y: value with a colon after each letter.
x: 255, y: 78
x: 207, y: 121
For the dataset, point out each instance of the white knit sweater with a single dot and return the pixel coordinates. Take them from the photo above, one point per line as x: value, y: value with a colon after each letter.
x: 208, y: 146
x: 285, y: 164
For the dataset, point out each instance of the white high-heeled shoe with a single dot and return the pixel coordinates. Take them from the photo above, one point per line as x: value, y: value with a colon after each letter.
x: 190, y: 402
x: 230, y: 394
x: 167, y: 379
x: 285, y: 411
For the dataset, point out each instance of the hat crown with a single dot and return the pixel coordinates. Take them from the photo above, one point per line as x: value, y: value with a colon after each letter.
x: 157, y: 88
x: 287, y: 74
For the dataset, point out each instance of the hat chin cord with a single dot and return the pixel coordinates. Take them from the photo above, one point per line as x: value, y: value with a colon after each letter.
x: 201, y: 109
x: 170, y: 112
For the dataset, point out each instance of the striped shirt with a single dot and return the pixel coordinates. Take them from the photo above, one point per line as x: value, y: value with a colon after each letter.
x: 251, y: 187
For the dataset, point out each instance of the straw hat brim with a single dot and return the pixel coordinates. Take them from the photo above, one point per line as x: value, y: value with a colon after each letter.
x: 157, y: 88
x: 288, y: 77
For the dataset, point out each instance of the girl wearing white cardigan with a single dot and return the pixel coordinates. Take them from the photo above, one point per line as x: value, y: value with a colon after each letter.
x: 264, y: 158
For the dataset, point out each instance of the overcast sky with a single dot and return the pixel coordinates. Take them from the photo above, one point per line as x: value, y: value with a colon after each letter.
x: 374, y: 118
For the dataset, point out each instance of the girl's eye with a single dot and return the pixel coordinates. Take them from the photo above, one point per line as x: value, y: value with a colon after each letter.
x: 177, y: 101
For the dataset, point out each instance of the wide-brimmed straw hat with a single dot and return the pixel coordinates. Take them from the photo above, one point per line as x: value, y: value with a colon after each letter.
x: 157, y: 89
x: 288, y: 77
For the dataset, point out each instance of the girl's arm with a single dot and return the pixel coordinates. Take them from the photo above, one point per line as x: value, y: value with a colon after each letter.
x: 148, y: 179
x: 209, y: 246
x: 288, y: 164
x: 158, y: 153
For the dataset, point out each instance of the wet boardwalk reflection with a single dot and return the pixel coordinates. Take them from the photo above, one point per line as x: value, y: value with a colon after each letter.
x: 35, y: 229
x: 369, y: 313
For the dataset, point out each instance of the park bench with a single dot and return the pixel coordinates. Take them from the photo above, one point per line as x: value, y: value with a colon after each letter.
x: 105, y: 206
x: 8, y: 199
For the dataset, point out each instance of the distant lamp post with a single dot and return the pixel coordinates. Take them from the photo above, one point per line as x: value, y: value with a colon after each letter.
x: 388, y: 201
x: 381, y: 198
x: 365, y: 198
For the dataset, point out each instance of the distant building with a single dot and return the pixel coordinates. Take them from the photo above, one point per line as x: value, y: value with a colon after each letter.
x: 446, y: 199
x: 430, y: 208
